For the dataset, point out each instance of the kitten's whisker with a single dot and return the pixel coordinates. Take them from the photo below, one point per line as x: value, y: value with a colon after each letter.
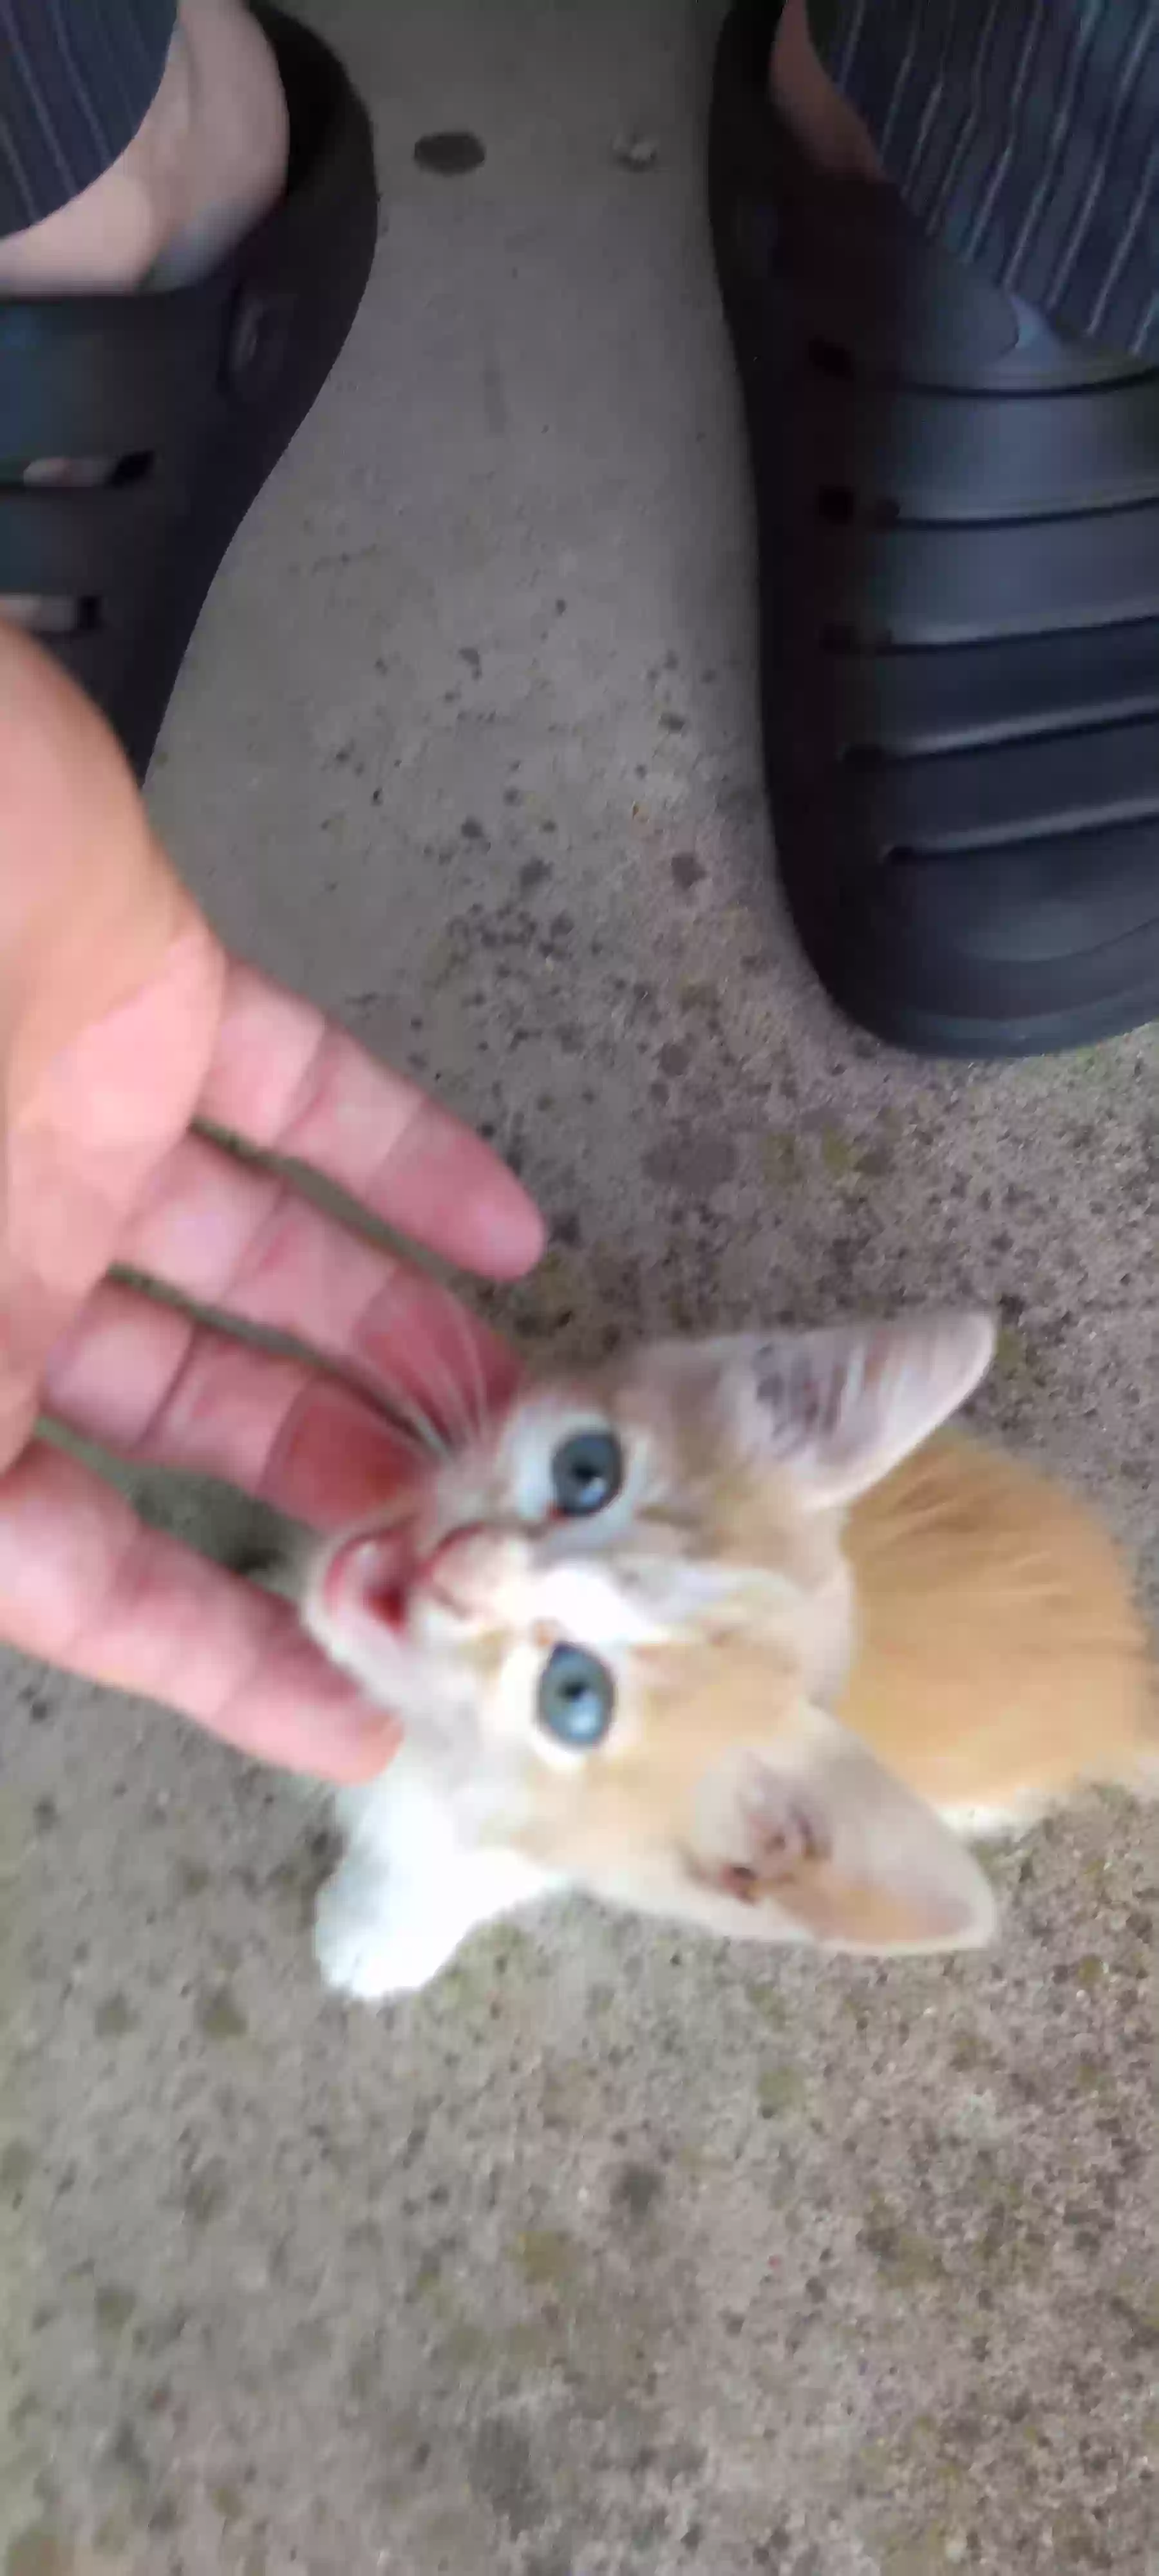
x: 477, y: 1387
x: 406, y: 1429
x: 453, y: 1404
x: 412, y: 1420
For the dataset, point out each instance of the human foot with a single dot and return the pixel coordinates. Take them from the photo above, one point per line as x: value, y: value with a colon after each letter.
x: 827, y: 128
x: 206, y: 164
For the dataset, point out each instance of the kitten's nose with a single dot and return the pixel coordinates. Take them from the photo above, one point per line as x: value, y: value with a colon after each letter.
x: 469, y: 1568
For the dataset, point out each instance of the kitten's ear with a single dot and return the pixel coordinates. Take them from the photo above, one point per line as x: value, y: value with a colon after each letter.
x: 842, y: 1406
x: 810, y: 1837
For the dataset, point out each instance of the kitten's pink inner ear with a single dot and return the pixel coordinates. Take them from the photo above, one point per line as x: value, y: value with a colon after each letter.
x: 843, y: 1406
x: 819, y: 1833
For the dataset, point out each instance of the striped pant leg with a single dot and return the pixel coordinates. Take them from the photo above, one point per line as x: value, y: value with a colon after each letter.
x: 1025, y: 135
x: 77, y: 78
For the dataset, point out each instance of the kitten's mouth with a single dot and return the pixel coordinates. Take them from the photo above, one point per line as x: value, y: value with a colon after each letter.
x: 375, y: 1576
x: 378, y: 1576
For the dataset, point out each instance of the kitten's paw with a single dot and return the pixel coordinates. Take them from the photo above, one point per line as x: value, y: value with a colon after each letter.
x: 364, y: 1946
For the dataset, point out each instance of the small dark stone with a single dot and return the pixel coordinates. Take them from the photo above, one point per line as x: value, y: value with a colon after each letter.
x: 636, y: 2189
x: 502, y: 2473
x: 695, y: 1164
x: 128, y: 2454
x: 450, y: 156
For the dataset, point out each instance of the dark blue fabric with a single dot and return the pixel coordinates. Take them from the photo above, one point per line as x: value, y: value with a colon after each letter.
x: 1025, y: 135
x: 77, y: 78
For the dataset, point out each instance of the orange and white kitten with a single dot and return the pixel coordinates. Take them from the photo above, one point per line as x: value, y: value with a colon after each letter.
x: 719, y: 1632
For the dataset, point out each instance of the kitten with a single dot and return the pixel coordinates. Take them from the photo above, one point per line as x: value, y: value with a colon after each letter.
x: 719, y: 1632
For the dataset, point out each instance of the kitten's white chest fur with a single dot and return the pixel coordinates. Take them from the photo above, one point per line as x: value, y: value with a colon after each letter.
x: 414, y: 1882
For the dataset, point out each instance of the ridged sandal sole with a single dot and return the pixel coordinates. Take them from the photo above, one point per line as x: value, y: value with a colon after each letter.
x: 958, y: 531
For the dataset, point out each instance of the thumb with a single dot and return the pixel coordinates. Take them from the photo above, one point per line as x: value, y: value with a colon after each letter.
x: 89, y: 902
x: 110, y: 995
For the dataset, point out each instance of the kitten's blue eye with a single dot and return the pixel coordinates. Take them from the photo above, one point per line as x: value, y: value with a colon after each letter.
x: 587, y: 1472
x: 577, y: 1697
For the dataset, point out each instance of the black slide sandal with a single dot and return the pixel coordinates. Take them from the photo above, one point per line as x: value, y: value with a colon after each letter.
x: 196, y: 392
x: 958, y: 528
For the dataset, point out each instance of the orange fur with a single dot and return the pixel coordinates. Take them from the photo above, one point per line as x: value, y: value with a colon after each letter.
x: 1003, y: 1661
x: 1001, y: 1664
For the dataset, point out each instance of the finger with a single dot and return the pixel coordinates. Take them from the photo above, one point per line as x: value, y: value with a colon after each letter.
x: 83, y: 1585
x: 110, y: 993
x: 287, y: 1080
x: 226, y: 1235
x: 151, y: 1384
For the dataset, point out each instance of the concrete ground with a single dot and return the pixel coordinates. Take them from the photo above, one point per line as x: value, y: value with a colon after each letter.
x: 619, y: 2251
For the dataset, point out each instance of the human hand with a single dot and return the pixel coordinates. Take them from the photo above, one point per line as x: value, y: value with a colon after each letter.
x: 122, y: 1023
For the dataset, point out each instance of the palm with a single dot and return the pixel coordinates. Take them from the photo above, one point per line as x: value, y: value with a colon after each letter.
x: 107, y: 1167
